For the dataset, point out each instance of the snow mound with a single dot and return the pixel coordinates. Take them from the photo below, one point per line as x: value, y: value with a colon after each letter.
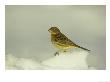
x: 10, y: 62
x: 67, y: 60
x: 74, y: 60
x: 13, y: 62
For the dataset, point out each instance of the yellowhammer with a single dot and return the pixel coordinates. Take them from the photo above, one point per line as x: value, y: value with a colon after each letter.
x: 61, y: 41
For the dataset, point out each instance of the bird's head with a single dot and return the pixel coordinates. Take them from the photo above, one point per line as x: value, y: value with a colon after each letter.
x: 54, y: 30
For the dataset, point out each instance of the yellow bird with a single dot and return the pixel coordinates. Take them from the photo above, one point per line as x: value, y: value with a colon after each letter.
x: 61, y: 41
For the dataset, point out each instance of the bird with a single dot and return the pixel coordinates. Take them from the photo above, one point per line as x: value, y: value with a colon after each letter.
x: 60, y: 41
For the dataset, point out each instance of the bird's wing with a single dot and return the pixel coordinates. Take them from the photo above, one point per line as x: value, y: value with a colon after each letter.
x: 63, y: 40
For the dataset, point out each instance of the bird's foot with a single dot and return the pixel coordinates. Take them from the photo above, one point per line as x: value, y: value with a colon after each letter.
x: 56, y: 53
x: 64, y: 51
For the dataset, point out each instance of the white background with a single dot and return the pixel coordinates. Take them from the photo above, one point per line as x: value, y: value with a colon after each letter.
x: 49, y: 75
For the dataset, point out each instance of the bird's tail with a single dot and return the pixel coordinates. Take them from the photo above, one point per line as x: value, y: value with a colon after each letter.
x: 83, y: 48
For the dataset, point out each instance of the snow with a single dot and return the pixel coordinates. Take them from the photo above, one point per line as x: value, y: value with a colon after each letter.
x: 68, y: 60
x: 13, y: 62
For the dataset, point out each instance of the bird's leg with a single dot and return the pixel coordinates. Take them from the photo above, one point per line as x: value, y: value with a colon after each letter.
x: 56, y: 53
x: 64, y: 51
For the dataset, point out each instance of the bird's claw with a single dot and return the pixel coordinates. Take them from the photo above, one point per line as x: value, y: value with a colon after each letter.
x: 56, y: 53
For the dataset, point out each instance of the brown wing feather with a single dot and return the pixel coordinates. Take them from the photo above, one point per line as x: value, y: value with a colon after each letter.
x: 63, y: 40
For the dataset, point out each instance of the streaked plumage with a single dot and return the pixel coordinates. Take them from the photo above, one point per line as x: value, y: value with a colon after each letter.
x: 61, y: 41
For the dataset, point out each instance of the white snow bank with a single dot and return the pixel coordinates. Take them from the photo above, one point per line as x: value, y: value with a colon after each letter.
x: 13, y: 62
x: 71, y: 60
x: 10, y: 62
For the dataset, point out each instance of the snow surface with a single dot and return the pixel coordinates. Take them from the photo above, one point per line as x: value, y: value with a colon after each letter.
x: 67, y: 60
x: 13, y: 62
